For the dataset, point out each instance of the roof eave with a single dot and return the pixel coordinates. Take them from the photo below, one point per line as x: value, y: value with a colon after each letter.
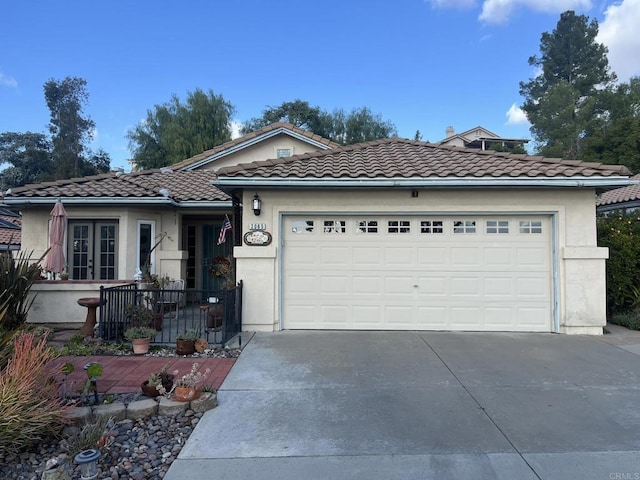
x: 226, y: 183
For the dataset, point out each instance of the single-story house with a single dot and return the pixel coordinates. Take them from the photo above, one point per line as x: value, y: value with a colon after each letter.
x: 620, y: 200
x: 388, y: 235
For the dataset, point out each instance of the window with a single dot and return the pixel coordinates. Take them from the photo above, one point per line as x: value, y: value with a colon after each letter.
x: 497, y: 226
x: 335, y: 226
x: 431, y: 226
x: 530, y: 226
x: 283, y: 152
x: 464, y: 226
x: 367, y: 226
x: 302, y: 226
x: 146, y: 234
x: 399, y: 226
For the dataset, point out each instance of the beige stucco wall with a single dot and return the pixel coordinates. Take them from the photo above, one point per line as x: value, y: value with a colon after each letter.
x: 168, y: 256
x: 580, y: 288
x: 265, y: 149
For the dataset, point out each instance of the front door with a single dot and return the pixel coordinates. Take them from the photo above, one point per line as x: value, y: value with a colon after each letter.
x: 211, y: 250
x: 92, y: 250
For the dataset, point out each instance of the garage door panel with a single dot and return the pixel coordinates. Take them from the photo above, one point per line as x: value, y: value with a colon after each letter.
x: 398, y: 257
x: 366, y: 256
x: 499, y: 286
x: 465, y: 286
x: 498, y: 257
x: 465, y: 256
x: 433, y: 257
x: 432, y: 286
x: 370, y: 285
x: 335, y: 255
x: 335, y: 285
x: 364, y: 276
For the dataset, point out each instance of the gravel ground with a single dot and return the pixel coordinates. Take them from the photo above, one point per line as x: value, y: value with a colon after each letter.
x: 135, y: 449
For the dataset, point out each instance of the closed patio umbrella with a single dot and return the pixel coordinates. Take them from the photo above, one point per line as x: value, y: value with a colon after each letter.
x: 55, y: 258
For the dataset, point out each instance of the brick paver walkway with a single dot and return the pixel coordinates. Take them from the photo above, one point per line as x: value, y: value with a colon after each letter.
x: 124, y: 374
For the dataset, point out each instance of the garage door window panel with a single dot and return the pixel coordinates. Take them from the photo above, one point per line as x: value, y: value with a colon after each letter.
x: 302, y: 226
x: 497, y: 226
x: 399, y: 226
x: 531, y: 226
x: 464, y: 226
x: 367, y: 226
x: 432, y: 226
x: 335, y: 226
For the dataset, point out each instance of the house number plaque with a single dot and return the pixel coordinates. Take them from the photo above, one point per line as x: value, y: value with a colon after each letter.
x: 257, y: 238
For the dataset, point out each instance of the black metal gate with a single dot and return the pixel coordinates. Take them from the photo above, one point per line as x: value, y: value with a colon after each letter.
x: 215, y: 315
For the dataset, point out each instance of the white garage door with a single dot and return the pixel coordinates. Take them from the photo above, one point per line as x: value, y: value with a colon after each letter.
x: 483, y: 273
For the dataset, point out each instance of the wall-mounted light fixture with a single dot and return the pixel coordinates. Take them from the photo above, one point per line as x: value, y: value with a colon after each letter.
x: 256, y: 204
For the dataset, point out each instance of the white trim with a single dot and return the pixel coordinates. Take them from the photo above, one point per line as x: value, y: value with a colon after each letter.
x: 86, y: 201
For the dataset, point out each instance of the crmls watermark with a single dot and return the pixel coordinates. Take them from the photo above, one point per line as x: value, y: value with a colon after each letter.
x: 624, y: 475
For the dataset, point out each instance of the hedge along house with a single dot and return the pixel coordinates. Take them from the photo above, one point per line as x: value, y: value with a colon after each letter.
x: 404, y: 235
x: 115, y: 219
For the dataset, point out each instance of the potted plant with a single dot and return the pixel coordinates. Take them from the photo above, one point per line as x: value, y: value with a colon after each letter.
x: 187, y: 387
x: 140, y: 337
x: 186, y: 342
x: 158, y: 381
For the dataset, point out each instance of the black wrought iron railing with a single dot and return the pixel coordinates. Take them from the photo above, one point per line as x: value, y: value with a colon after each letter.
x: 215, y: 315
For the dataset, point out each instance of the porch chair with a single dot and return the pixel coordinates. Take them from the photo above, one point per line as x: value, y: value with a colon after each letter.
x: 173, y: 295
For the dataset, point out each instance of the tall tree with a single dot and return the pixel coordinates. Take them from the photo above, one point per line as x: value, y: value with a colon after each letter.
x: 561, y: 101
x: 616, y: 139
x: 360, y: 125
x: 71, y: 130
x: 28, y: 159
x: 175, y: 131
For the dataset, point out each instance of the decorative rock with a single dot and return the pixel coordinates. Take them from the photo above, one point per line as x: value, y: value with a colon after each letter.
x: 206, y: 401
x: 170, y: 407
x: 142, y: 409
x: 117, y: 410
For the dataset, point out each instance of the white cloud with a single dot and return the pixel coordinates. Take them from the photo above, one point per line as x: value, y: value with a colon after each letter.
x: 7, y: 81
x: 498, y: 11
x: 235, y: 126
x: 619, y: 32
x: 516, y: 116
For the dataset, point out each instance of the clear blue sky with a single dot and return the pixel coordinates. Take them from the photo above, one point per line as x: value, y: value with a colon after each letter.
x: 423, y: 64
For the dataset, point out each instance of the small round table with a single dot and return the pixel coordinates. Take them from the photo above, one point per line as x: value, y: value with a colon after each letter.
x: 92, y: 303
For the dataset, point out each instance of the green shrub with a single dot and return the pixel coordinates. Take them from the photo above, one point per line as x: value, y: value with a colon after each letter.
x: 18, y: 275
x: 621, y: 233
x: 92, y: 434
x: 630, y: 320
x: 30, y: 408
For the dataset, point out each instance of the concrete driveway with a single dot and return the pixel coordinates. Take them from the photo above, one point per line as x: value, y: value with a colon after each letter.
x: 414, y: 405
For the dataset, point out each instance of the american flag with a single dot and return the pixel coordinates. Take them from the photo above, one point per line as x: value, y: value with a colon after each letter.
x: 226, y: 226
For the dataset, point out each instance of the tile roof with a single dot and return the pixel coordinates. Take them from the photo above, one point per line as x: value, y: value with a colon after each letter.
x: 10, y: 227
x: 620, y: 195
x: 181, y: 186
x: 402, y: 158
x: 250, y: 136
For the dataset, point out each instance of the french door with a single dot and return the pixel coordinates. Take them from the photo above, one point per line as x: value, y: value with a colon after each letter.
x: 92, y: 251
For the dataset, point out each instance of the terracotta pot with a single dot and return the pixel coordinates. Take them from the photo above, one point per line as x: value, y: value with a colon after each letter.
x: 185, y: 347
x: 186, y: 394
x: 141, y: 345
